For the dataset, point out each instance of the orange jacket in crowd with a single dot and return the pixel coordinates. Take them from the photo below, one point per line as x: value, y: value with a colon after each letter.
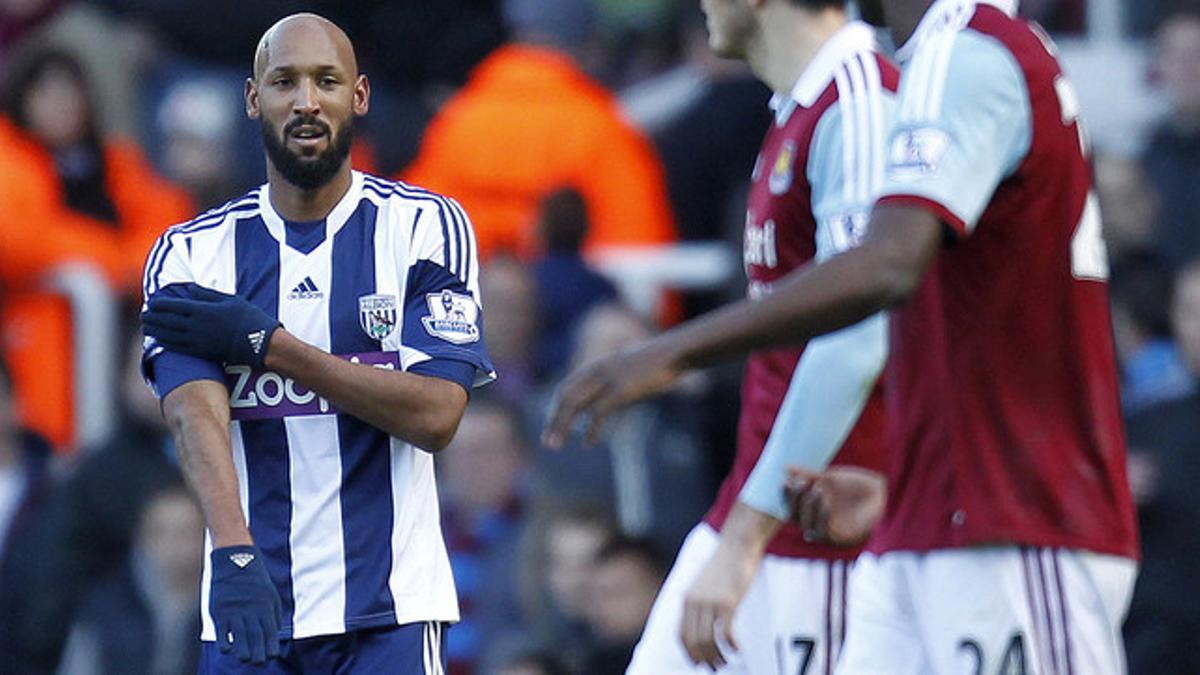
x: 528, y: 122
x: 37, y: 233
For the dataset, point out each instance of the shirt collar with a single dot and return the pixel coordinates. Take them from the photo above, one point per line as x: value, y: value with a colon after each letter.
x: 854, y: 37
x: 942, y: 12
x: 333, y: 222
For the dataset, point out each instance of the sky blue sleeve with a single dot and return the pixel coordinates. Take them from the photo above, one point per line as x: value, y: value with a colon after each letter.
x: 846, y: 161
x: 964, y: 124
x: 837, y: 372
x: 829, y: 389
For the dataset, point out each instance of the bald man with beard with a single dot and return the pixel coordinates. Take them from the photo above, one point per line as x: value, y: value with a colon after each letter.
x: 313, y: 343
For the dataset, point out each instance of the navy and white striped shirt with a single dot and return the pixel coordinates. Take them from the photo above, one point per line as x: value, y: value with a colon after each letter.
x: 346, y: 516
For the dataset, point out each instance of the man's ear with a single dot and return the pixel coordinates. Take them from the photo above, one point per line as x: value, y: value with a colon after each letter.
x: 362, y: 96
x: 252, y: 109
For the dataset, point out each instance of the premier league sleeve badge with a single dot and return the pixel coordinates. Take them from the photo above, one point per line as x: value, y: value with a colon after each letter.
x: 453, y: 317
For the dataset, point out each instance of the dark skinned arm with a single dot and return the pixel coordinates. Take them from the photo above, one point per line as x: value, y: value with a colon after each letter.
x: 819, y: 298
x: 197, y: 414
x: 424, y: 411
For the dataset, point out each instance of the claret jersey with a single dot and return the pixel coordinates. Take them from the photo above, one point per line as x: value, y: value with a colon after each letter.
x: 345, y: 515
x: 1005, y: 425
x: 819, y: 170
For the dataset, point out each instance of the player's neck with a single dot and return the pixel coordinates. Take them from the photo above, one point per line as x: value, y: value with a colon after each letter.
x: 297, y: 204
x: 903, y: 17
x: 790, y: 38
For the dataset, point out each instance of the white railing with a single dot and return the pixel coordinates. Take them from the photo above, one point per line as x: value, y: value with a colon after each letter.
x: 642, y: 273
x: 94, y: 325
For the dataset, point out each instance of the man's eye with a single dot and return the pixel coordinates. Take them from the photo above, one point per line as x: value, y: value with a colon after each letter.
x: 283, y: 82
x: 328, y: 81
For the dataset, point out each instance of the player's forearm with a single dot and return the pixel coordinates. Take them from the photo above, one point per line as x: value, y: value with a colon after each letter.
x: 748, y: 531
x: 424, y: 411
x: 818, y: 298
x: 197, y: 414
x: 830, y: 388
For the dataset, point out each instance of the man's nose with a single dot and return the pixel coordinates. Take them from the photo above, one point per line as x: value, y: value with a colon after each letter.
x: 306, y: 101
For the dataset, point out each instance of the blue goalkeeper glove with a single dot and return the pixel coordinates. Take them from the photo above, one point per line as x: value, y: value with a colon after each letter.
x: 210, y: 325
x: 244, y: 604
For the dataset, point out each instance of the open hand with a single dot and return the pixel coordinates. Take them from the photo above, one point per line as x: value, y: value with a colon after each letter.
x: 607, y: 385
x: 712, y: 600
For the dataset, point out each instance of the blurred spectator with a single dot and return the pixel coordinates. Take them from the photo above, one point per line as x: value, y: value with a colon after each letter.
x: 1058, y: 16
x: 1152, y: 369
x: 482, y: 487
x: 66, y: 195
x: 19, y: 17
x: 88, y: 524
x: 1173, y: 157
x: 1164, y: 441
x: 651, y: 462
x: 24, y: 471
x: 567, y: 286
x: 529, y: 121
x: 1144, y: 16
x: 145, y: 619
x: 625, y: 579
x: 219, y: 32
x: 532, y: 663
x: 1127, y: 203
x: 707, y: 118
x: 24, y: 484
x: 198, y: 123
x: 564, y: 538
x: 510, y: 294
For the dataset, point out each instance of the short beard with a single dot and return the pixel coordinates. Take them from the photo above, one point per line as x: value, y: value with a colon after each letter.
x: 308, y: 173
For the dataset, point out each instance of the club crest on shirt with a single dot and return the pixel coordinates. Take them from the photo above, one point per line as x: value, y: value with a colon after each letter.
x: 916, y: 153
x: 453, y: 317
x: 781, y: 172
x: 377, y: 315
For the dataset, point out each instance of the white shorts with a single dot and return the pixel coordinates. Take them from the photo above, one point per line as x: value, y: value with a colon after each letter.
x: 791, y: 621
x: 988, y: 611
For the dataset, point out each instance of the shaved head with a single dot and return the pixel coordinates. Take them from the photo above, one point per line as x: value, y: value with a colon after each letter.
x: 303, y: 28
x: 306, y: 90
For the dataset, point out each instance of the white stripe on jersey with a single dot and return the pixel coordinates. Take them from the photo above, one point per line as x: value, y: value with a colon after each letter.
x: 875, y: 96
x: 941, y: 66
x: 849, y: 154
x: 314, y: 460
x: 924, y: 81
x: 862, y: 130
x: 860, y: 104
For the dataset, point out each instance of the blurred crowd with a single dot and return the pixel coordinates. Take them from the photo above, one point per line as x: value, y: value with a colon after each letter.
x: 579, y: 135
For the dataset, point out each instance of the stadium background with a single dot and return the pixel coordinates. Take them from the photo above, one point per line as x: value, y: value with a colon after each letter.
x: 604, y: 155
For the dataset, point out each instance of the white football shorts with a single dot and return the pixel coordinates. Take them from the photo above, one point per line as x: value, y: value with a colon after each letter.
x: 1003, y: 610
x: 791, y: 621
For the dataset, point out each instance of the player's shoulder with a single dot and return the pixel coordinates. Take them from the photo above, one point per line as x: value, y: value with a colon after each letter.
x: 219, y: 216
x: 975, y: 40
x: 431, y: 207
x: 857, y: 69
x: 391, y: 190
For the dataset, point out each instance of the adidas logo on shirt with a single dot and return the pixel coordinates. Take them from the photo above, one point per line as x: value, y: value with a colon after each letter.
x: 306, y: 290
x: 242, y: 559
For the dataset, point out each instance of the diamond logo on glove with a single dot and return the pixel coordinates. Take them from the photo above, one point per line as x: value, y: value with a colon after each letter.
x: 241, y: 559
